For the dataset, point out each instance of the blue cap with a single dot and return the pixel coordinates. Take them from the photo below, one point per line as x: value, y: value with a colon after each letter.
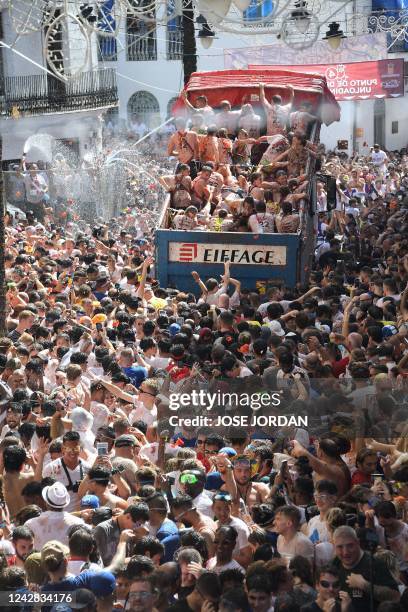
x: 102, y: 584
x: 90, y: 501
x: 389, y: 330
x: 174, y: 329
x: 227, y: 450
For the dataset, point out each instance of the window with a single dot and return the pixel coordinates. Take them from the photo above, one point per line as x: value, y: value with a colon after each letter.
x: 141, y: 44
x: 107, y: 23
x: 143, y: 107
x: 107, y: 49
x: 174, y: 33
x: 258, y: 10
x: 394, y: 127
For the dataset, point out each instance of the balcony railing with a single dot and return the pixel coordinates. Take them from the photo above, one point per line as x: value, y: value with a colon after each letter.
x: 174, y: 44
x: 39, y: 94
x: 142, y: 49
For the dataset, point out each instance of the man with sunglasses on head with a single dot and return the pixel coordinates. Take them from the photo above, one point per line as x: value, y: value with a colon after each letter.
x: 192, y: 483
x: 246, y: 493
x: 329, y: 596
x: 185, y: 512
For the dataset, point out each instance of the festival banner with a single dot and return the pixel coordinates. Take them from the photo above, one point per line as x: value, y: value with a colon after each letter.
x: 366, y: 47
x: 357, y: 81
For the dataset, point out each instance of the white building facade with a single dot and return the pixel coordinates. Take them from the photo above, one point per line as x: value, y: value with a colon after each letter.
x: 33, y: 101
x: 149, y: 69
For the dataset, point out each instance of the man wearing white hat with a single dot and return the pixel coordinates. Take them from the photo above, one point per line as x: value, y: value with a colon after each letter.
x: 53, y: 524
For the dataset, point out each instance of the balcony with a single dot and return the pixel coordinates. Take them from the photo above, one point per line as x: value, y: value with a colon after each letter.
x: 174, y: 44
x: 41, y: 95
x: 141, y: 49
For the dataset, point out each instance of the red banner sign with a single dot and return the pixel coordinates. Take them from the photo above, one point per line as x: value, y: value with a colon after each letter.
x: 359, y: 80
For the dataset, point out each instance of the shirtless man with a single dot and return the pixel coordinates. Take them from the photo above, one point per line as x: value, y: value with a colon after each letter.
x: 186, y: 513
x: 302, y: 119
x: 202, y: 106
x: 277, y: 114
x: 183, y: 144
x: 247, y: 493
x: 227, y: 118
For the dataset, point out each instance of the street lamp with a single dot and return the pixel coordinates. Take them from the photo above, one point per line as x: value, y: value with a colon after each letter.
x: 334, y: 35
x: 301, y: 16
x: 206, y: 36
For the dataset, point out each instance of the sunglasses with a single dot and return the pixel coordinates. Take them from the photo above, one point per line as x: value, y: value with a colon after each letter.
x: 222, y: 497
x: 244, y: 461
x: 188, y: 479
x: 326, y: 584
x: 147, y: 392
x: 178, y: 517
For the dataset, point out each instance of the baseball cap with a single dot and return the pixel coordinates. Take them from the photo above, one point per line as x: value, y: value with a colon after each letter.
x: 174, y: 329
x: 102, y: 584
x: 227, y: 450
x: 54, y: 550
x: 90, y: 501
x: 276, y: 328
x: 389, y: 330
x: 125, y: 440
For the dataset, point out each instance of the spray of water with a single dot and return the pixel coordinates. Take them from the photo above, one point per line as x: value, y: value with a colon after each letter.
x: 114, y: 176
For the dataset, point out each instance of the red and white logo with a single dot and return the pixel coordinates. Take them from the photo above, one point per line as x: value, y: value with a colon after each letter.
x: 188, y: 251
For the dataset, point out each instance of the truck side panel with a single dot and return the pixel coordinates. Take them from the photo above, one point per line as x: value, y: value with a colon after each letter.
x: 255, y: 260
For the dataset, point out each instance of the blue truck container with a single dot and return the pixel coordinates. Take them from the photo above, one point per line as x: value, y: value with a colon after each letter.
x: 256, y: 260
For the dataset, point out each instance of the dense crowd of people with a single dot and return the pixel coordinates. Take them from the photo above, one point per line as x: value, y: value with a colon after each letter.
x: 111, y: 499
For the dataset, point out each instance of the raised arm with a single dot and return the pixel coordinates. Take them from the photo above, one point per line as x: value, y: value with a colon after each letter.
x: 291, y: 94
x: 262, y: 97
x: 186, y: 101
x: 140, y: 292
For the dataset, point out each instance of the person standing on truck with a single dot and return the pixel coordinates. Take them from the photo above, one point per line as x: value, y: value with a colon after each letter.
x: 183, y: 144
x: 249, y: 121
x: 302, y: 119
x: 201, y: 190
x: 208, y: 146
x: 179, y: 186
x: 202, y: 106
x: 277, y: 114
x: 227, y: 118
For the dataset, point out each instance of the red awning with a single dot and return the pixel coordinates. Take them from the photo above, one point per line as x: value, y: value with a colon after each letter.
x: 242, y: 86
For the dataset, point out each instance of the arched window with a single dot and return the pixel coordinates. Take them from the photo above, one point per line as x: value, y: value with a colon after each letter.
x: 143, y: 106
x: 170, y: 105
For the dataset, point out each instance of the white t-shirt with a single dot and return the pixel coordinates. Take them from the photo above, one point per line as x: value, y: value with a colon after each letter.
x: 203, y: 503
x: 317, y: 530
x: 298, y: 545
x: 378, y: 158
x: 55, y: 469
x: 151, y: 451
x: 141, y: 413
x: 77, y: 566
x: 100, y: 413
x: 159, y: 363
x: 242, y: 530
x: 52, y: 526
